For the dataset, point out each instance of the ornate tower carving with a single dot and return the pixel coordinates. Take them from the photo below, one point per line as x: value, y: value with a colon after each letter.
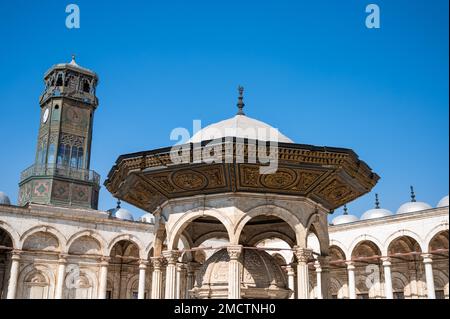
x: 61, y: 174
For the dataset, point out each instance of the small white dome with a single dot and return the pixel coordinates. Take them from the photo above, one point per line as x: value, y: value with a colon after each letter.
x: 344, y: 219
x: 120, y: 213
x: 147, y: 218
x: 443, y: 202
x: 240, y: 126
x: 124, y: 214
x: 4, y: 199
x: 376, y: 213
x: 410, y: 207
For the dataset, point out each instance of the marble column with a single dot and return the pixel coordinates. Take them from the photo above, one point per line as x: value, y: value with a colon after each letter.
x: 13, y: 275
x: 192, y: 267
x: 318, y: 279
x: 157, y: 277
x: 142, y: 274
x: 291, y: 280
x: 351, y: 279
x: 388, y: 292
x: 103, y: 278
x: 180, y: 281
x: 62, y: 263
x: 303, y: 256
x: 427, y: 260
x: 234, y: 269
x: 325, y: 276
x: 171, y: 273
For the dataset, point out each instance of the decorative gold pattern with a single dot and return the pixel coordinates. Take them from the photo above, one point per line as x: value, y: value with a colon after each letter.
x: 329, y: 176
x: 189, y: 180
x: 282, y: 179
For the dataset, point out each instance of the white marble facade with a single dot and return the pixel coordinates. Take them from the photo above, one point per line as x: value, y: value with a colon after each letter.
x: 55, y: 252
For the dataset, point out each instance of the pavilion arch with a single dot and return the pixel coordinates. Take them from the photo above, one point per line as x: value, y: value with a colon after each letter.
x: 269, y: 235
x: 279, y: 259
x: 39, y: 274
x: 187, y: 244
x: 336, y: 253
x: 403, y: 244
x: 160, y: 237
x: 320, y: 229
x: 210, y: 235
x: 272, y: 210
x: 361, y: 239
x: 132, y: 284
x: 180, y: 225
x: 322, y: 237
x: 91, y: 234
x: 46, y: 230
x: 441, y: 281
x: 88, y: 281
x: 442, y: 228
x: 127, y: 237
x: 336, y: 288
x: 340, y: 246
x: 402, y: 233
x: 13, y: 235
x: 441, y: 239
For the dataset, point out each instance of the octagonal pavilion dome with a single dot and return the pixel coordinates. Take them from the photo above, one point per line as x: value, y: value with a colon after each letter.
x: 240, y: 126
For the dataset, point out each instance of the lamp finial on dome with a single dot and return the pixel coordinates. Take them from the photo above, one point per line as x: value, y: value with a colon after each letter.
x: 73, y: 62
x: 413, y: 195
x: 377, y: 202
x: 240, y: 103
x: 118, y: 204
x: 345, y: 209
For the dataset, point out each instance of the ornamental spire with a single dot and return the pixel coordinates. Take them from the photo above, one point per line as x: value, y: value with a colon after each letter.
x: 413, y: 195
x: 377, y: 202
x: 240, y: 103
x: 73, y: 60
x: 118, y: 204
x: 345, y: 210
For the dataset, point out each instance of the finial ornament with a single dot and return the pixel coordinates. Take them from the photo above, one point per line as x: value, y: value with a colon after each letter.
x: 240, y: 103
x: 118, y: 203
x: 413, y: 195
x: 73, y: 62
x: 345, y: 210
x: 377, y: 202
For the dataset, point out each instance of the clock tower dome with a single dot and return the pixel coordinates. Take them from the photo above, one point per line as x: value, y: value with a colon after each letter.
x: 61, y: 172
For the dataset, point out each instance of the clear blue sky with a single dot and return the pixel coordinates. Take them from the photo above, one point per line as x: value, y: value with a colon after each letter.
x: 310, y: 68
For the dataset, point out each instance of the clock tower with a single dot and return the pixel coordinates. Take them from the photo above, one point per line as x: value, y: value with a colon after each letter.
x: 61, y: 174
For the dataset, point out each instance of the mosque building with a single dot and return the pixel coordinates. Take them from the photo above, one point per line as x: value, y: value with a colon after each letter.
x: 238, y: 211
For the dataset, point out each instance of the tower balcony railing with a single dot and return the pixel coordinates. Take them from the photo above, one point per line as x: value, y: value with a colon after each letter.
x: 62, y: 171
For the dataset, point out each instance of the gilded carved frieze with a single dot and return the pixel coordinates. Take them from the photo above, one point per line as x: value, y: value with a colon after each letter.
x: 329, y: 176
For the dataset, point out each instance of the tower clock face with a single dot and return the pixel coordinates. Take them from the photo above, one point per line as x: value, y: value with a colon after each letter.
x: 45, y: 115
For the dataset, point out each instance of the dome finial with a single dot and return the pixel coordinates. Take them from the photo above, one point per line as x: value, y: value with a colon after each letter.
x: 73, y: 62
x: 118, y: 204
x: 345, y: 210
x: 413, y: 195
x: 240, y: 103
x: 377, y: 202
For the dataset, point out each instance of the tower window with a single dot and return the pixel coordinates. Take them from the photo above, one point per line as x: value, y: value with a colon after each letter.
x: 76, y: 160
x: 86, y: 87
x: 42, y: 152
x: 59, y: 81
x: 51, y: 154
x: 63, y: 154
